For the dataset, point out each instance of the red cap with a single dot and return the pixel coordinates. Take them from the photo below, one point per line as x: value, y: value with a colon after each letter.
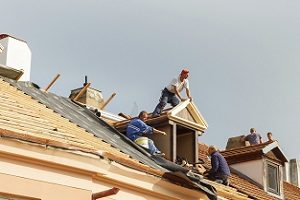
x: 184, y: 71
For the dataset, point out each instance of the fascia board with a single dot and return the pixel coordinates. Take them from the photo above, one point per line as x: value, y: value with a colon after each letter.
x: 193, y: 111
x: 272, y: 146
x: 188, y: 123
x: 196, y: 114
x: 178, y: 108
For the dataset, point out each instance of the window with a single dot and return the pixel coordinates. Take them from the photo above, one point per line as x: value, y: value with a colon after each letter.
x: 273, y: 180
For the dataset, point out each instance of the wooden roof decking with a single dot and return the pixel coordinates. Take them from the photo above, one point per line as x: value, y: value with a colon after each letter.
x: 24, y: 118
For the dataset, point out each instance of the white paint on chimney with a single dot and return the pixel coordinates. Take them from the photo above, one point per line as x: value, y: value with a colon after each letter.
x: 286, y: 172
x: 16, y: 54
x: 1, y: 48
x: 294, y: 172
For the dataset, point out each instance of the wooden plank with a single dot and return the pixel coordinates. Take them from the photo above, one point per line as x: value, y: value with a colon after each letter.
x: 174, y: 142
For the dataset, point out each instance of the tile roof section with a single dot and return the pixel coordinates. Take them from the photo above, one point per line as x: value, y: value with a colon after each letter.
x: 291, y: 192
x: 248, y: 188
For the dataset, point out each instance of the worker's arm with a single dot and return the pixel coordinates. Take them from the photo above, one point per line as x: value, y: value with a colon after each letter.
x: 243, y: 138
x: 260, y: 139
x: 158, y: 131
x: 214, y: 166
x: 188, y: 94
x: 178, y: 93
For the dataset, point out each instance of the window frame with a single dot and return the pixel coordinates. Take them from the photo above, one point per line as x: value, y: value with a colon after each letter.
x: 277, y: 180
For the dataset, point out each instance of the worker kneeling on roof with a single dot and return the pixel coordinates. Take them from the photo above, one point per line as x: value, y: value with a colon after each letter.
x: 219, y: 171
x: 136, y: 130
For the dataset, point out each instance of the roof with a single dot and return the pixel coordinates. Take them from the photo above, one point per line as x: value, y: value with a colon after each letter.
x: 185, y: 114
x: 247, y: 153
x: 32, y: 115
x: 245, y: 184
x: 291, y: 192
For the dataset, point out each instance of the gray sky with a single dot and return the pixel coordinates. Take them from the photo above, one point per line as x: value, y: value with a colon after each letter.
x: 243, y: 56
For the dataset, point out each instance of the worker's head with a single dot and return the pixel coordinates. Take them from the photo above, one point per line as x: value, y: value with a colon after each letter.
x: 211, y: 149
x: 143, y: 115
x: 184, y: 73
x: 270, y: 136
x: 252, y: 130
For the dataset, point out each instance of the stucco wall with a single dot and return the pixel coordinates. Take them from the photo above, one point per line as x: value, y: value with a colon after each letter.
x: 253, y: 169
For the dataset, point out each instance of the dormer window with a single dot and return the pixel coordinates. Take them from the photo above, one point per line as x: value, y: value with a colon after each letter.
x: 273, y: 180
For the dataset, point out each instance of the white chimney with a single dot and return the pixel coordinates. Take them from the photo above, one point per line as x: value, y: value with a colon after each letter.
x: 16, y: 54
x: 294, y: 172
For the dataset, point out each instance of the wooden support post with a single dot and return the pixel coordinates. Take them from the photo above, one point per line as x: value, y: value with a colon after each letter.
x: 107, y: 101
x: 52, y: 82
x: 196, y: 152
x: 174, y: 142
x: 82, y: 91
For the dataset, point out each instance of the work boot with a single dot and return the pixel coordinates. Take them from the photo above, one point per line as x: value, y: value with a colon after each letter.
x: 159, y: 154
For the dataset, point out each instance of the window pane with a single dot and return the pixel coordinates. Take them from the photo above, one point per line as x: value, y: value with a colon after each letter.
x: 273, y: 181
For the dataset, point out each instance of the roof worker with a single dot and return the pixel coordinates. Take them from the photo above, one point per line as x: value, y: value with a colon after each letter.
x: 219, y: 171
x: 270, y: 137
x: 253, y: 138
x: 171, y: 93
x: 137, y: 128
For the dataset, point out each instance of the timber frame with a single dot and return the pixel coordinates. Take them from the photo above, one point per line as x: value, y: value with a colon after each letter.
x: 183, y: 124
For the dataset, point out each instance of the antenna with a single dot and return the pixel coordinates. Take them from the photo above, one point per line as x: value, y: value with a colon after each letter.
x: 85, y: 80
x: 135, y: 109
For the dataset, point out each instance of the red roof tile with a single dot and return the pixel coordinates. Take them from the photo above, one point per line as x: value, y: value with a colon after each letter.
x: 291, y: 192
x: 244, y: 186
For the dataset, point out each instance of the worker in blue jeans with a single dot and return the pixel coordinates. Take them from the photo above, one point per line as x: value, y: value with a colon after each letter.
x: 171, y: 93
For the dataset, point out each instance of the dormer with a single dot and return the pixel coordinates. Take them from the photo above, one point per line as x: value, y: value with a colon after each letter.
x: 262, y: 163
x: 183, y: 124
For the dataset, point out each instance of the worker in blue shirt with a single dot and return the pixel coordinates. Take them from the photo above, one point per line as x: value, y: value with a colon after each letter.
x: 219, y: 171
x: 253, y: 138
x: 136, y: 130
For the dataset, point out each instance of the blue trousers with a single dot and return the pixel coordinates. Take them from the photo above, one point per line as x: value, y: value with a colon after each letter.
x: 166, y: 97
x: 147, y: 144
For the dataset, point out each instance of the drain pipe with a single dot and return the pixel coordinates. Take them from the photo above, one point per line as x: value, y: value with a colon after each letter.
x: 105, y: 193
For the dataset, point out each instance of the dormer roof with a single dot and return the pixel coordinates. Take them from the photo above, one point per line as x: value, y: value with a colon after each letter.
x: 254, y: 152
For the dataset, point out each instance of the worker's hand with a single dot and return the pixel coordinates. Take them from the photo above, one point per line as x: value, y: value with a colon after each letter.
x: 163, y: 133
x: 182, y: 99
